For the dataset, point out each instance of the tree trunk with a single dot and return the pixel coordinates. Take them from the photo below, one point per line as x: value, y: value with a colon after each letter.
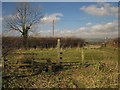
x: 25, y: 38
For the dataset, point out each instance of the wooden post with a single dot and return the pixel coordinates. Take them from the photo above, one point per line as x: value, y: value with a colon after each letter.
x: 60, y: 54
x: 82, y: 55
x: 32, y: 63
x: 58, y: 50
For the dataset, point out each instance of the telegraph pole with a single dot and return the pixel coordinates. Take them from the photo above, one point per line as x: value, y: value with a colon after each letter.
x: 53, y: 27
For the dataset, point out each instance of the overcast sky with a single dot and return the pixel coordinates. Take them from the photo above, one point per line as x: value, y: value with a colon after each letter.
x: 80, y: 19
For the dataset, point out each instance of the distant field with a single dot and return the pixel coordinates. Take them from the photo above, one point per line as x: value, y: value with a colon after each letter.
x: 102, y: 71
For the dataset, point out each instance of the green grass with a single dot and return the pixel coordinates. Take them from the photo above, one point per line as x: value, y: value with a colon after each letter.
x: 102, y: 73
x: 70, y: 55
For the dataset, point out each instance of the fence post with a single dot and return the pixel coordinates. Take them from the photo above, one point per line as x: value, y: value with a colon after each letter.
x: 82, y: 55
x: 32, y: 63
x: 58, y: 50
x: 61, y: 54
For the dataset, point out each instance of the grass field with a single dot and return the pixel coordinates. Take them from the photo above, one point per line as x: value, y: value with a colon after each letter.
x: 98, y: 70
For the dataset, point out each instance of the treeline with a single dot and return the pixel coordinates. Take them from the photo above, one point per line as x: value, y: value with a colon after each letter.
x: 41, y: 42
x: 115, y: 42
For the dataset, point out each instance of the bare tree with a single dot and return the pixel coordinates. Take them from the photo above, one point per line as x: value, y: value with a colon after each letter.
x: 24, y: 17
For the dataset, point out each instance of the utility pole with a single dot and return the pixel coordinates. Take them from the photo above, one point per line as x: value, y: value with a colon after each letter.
x: 53, y: 27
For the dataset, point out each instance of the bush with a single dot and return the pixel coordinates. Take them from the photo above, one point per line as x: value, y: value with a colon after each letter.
x: 27, y: 60
x: 42, y: 42
x: 56, y: 68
